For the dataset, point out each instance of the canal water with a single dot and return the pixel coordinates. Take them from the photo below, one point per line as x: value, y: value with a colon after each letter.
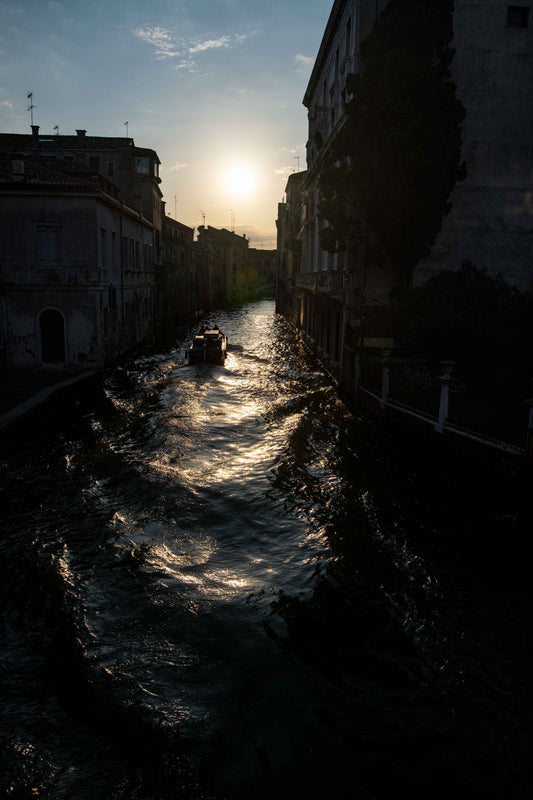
x: 221, y: 582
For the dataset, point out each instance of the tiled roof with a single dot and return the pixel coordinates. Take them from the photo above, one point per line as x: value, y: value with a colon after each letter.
x: 38, y: 174
x: 25, y: 141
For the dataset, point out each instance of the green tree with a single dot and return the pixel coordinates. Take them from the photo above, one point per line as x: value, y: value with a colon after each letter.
x: 392, y: 166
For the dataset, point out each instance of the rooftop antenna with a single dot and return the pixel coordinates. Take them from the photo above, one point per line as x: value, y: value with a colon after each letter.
x: 203, y: 216
x: 126, y: 124
x: 297, y: 158
x: 175, y: 207
x: 56, y: 128
x: 232, y: 216
x: 29, y: 97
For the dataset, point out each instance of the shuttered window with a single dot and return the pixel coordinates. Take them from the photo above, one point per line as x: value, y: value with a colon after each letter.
x: 517, y: 16
x: 48, y: 245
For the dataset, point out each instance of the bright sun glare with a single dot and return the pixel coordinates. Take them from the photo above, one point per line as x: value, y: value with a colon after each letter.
x: 239, y: 181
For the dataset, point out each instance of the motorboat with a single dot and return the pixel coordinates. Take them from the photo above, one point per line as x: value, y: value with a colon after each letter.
x: 209, y: 345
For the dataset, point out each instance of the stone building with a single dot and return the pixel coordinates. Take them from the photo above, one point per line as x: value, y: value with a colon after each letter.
x: 76, y: 268
x: 120, y: 254
x: 183, y: 282
x: 341, y: 303
x: 289, y: 248
x: 260, y: 273
x: 230, y: 254
x: 491, y: 221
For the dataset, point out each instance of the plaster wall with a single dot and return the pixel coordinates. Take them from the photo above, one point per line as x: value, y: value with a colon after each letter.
x: 491, y: 221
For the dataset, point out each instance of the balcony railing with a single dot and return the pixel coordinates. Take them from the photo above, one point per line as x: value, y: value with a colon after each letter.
x: 326, y: 281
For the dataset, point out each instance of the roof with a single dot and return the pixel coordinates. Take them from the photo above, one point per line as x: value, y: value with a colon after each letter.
x: 221, y: 236
x: 27, y: 141
x: 38, y: 174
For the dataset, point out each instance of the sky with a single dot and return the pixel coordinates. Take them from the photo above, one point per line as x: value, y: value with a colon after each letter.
x: 215, y: 87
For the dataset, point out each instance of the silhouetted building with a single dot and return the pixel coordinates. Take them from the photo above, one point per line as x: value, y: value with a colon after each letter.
x: 260, y: 273
x: 184, y: 277
x: 229, y: 253
x: 289, y: 247
x: 341, y: 302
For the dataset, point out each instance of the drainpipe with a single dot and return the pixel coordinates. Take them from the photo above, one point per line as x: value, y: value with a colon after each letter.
x: 121, y: 266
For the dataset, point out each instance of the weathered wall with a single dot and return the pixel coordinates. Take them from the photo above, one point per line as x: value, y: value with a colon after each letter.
x: 491, y: 222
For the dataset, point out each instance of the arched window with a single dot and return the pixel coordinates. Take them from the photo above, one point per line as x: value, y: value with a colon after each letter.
x: 52, y: 330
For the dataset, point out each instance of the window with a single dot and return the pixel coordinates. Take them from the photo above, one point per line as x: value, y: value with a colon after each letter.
x: 112, y: 297
x: 110, y: 168
x: 517, y: 16
x: 48, y: 245
x: 142, y: 165
x: 113, y: 249
x: 94, y: 162
x: 103, y: 246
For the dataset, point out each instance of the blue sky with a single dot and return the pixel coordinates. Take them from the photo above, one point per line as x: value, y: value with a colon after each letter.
x: 215, y: 87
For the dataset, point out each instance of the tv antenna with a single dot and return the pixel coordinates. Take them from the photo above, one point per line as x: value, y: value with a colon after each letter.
x: 56, y: 128
x: 126, y: 126
x: 297, y: 159
x: 175, y: 207
x: 29, y: 97
x: 232, y: 217
x: 203, y: 216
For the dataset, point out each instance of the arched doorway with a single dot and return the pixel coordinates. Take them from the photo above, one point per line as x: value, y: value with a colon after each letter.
x: 52, y: 330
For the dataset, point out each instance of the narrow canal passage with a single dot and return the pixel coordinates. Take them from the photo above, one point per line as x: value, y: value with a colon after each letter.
x: 217, y: 582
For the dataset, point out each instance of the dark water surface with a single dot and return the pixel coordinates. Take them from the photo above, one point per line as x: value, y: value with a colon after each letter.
x: 217, y: 582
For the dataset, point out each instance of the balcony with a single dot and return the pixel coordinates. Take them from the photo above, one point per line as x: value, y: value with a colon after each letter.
x: 325, y: 282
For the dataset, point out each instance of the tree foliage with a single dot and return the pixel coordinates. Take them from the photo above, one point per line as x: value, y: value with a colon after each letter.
x: 479, y: 321
x: 398, y: 155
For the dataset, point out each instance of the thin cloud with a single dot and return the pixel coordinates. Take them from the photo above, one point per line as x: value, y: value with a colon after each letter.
x: 304, y: 61
x: 164, y: 42
x: 6, y: 104
x: 167, y: 44
x: 210, y: 44
x: 178, y: 165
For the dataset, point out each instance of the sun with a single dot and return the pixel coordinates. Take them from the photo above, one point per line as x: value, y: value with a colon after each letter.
x: 239, y: 181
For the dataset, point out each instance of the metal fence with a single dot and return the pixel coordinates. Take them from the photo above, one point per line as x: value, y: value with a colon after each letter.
x: 495, y: 411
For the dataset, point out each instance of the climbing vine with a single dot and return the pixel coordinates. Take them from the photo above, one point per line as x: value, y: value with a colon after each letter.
x: 392, y: 167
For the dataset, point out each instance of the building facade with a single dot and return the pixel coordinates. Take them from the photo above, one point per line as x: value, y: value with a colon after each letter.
x: 260, y: 273
x: 184, y: 277
x: 289, y: 248
x: 76, y: 268
x: 339, y: 300
x: 229, y: 253
x: 95, y: 204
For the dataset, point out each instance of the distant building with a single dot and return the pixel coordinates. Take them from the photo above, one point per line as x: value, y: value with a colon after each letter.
x: 184, y: 275
x: 230, y: 255
x: 289, y: 247
x: 76, y: 268
x: 260, y: 273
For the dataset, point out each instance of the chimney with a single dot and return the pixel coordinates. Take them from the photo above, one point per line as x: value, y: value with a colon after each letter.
x: 17, y: 168
x: 35, y: 135
x: 81, y: 135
